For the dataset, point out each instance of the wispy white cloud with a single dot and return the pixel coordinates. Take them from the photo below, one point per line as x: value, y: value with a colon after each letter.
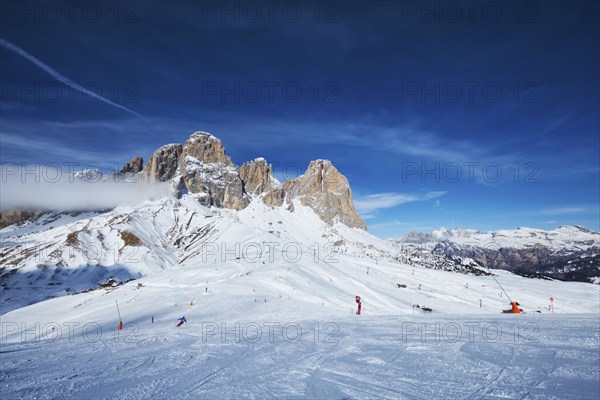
x: 374, y: 202
x: 560, y: 211
x: 55, y: 189
x: 396, y: 229
x: 555, y: 214
x: 391, y: 224
x: 43, y: 141
x: 405, y: 140
x: 37, y: 144
x: 61, y: 78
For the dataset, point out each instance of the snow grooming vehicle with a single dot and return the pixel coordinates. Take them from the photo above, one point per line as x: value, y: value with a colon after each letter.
x: 514, y: 308
x: 513, y: 304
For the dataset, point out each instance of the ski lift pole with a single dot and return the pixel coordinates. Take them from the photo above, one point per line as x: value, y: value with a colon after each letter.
x: 119, y: 312
x: 194, y: 299
x: 502, y: 288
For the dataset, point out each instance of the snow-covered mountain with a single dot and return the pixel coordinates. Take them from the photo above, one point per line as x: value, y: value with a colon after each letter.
x: 64, y: 253
x: 201, y: 166
x: 568, y: 252
x: 177, y: 251
x: 266, y: 275
x: 240, y: 235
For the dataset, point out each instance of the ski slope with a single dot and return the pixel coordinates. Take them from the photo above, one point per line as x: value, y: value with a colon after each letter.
x: 248, y: 283
x: 259, y: 253
x: 370, y: 357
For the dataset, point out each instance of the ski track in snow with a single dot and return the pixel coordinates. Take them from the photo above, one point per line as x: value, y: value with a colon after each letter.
x: 368, y: 358
x: 377, y: 355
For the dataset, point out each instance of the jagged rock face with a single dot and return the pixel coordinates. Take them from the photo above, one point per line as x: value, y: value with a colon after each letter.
x: 258, y: 179
x: 207, y: 170
x: 164, y: 163
x: 219, y: 184
x: 205, y: 148
x: 274, y: 197
x: 133, y: 167
x: 324, y: 189
x: 256, y: 175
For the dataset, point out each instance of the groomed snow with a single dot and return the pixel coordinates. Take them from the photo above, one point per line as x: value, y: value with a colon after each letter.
x: 267, y: 267
x: 366, y: 357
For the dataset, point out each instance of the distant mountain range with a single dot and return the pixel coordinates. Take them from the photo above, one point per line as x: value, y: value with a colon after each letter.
x: 567, y: 253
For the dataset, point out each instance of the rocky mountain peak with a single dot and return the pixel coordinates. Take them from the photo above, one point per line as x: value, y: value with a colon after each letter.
x: 206, y: 170
x: 163, y: 163
x: 258, y: 179
x: 202, y: 167
x: 258, y: 176
x: 206, y: 148
x: 324, y: 189
x: 133, y: 167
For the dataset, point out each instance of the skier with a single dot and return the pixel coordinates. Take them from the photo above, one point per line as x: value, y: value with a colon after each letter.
x: 181, y: 320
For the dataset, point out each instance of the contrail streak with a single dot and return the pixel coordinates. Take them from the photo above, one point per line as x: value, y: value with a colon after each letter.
x: 61, y: 78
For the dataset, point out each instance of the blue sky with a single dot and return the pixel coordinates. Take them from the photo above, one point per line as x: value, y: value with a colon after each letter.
x: 467, y: 114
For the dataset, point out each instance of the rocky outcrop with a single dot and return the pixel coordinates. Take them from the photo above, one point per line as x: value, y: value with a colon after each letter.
x: 218, y: 185
x: 205, y: 148
x: 133, y: 167
x: 201, y: 167
x: 324, y: 189
x: 257, y: 177
x: 206, y: 170
x: 274, y: 197
x: 164, y: 163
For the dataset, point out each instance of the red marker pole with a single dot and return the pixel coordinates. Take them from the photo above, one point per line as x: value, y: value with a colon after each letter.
x: 552, y: 304
x: 120, y: 320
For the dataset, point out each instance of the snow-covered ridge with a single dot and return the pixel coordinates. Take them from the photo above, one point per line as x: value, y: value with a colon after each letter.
x: 568, y: 252
x: 233, y: 234
x: 179, y: 243
x: 559, y: 239
x: 88, y: 175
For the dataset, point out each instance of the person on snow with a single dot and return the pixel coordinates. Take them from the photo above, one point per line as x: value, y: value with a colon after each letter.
x: 515, y: 308
x: 181, y: 320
